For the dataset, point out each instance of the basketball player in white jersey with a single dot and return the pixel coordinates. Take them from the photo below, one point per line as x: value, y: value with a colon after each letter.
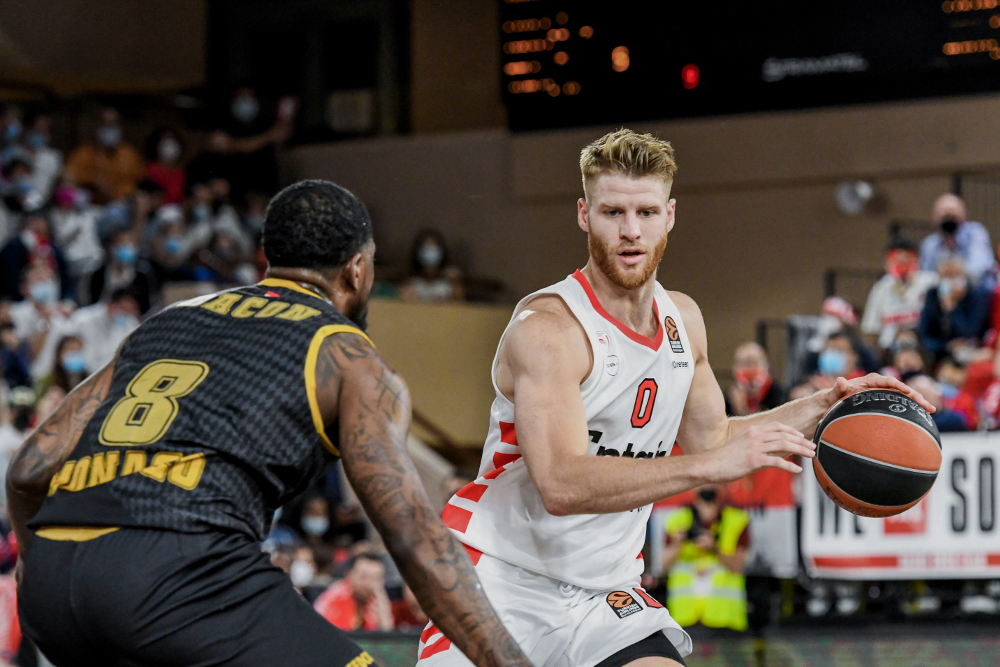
x: 596, y: 377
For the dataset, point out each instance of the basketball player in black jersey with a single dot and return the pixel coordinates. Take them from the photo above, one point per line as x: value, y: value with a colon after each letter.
x: 140, y: 503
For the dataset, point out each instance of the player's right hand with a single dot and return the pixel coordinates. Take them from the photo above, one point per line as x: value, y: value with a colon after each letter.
x: 762, y: 446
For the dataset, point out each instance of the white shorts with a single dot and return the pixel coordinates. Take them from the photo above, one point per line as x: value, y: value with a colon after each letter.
x: 557, y: 624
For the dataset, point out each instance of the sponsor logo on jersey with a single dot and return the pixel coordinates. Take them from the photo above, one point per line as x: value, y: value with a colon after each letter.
x: 673, y: 335
x: 680, y: 364
x: 628, y: 453
x: 623, y: 604
x: 611, y: 364
x: 604, y: 339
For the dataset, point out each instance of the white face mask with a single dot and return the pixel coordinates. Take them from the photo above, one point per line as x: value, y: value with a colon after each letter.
x: 302, y: 573
x: 430, y: 256
x: 169, y: 149
x: 44, y: 291
x: 315, y: 525
x: 109, y: 136
x: 245, y: 108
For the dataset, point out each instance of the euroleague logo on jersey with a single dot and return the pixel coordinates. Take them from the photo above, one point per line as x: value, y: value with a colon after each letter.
x: 673, y: 335
x: 623, y: 604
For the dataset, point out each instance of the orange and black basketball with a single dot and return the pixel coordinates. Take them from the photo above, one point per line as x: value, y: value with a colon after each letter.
x: 877, y: 453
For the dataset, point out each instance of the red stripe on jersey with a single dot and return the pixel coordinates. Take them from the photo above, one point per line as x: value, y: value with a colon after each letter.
x: 651, y: 602
x: 271, y: 294
x: 639, y: 556
x: 428, y: 632
x: 493, y: 474
x: 652, y: 343
x: 474, y: 554
x: 442, y: 644
x: 500, y: 459
x: 472, y: 491
x: 507, y: 434
x: 456, y: 517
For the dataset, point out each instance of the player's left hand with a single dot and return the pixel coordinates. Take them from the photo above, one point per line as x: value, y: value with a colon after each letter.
x: 844, y: 387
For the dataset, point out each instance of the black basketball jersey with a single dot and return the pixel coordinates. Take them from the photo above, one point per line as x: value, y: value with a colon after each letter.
x: 211, y: 421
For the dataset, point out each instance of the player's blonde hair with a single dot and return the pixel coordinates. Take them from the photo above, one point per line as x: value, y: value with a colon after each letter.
x: 625, y: 152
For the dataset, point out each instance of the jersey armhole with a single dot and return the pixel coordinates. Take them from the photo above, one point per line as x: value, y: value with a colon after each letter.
x: 310, y: 375
x: 587, y: 383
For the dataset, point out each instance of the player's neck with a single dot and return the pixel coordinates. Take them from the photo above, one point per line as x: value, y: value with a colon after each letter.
x: 307, y: 278
x: 633, y: 308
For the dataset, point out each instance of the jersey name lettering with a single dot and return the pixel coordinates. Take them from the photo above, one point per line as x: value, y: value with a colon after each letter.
x: 258, y: 307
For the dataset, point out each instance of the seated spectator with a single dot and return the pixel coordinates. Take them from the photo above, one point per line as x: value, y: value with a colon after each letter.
x: 71, y: 368
x: 123, y: 269
x: 753, y: 389
x: 905, y: 356
x: 432, y: 278
x: 838, y: 359
x: 164, y: 148
x: 33, y: 246
x: 302, y: 569
x: 956, y: 314
x: 957, y: 236
x: 315, y: 521
x: 175, y: 245
x: 104, y: 326
x: 15, y: 354
x: 705, y: 555
x: 20, y: 194
x: 46, y: 162
x: 39, y: 314
x: 897, y: 299
x: 110, y: 168
x: 946, y: 419
x: 74, y: 228
x: 359, y: 601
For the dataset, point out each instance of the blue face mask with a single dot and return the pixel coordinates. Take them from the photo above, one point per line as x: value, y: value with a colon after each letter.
x: 13, y: 131
x: 123, y: 321
x: 173, y: 245
x: 125, y: 254
x: 832, y: 362
x: 74, y: 362
x: 37, y: 140
x: 45, y: 291
x: 948, y: 390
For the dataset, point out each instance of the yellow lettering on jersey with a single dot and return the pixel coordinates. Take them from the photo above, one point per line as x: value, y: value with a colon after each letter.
x: 272, y: 309
x: 103, y: 468
x: 161, y: 462
x: 298, y: 312
x: 62, y: 477
x: 249, y: 306
x: 79, y: 479
x: 222, y: 303
x: 186, y: 472
x: 134, y: 462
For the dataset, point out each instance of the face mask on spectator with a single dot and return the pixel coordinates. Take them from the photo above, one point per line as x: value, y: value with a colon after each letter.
x: 123, y: 321
x: 126, y: 253
x: 38, y: 139
x: 832, y: 362
x: 949, y: 225
x: 169, y: 149
x: 430, y: 256
x: 109, y: 136
x: 245, y: 108
x: 948, y: 391
x: 30, y: 240
x: 315, y: 525
x: 44, y: 291
x: 201, y: 212
x: 302, y: 573
x: 22, y: 419
x: 13, y: 131
x: 949, y: 286
x: 74, y: 362
x: 901, y: 265
x: 172, y: 245
x: 751, y: 378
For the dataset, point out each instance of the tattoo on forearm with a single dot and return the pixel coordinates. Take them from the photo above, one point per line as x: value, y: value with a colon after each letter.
x: 47, y: 448
x: 374, y: 421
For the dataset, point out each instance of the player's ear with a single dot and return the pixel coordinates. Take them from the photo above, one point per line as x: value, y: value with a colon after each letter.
x: 353, y: 273
x: 582, y: 209
x: 671, y: 211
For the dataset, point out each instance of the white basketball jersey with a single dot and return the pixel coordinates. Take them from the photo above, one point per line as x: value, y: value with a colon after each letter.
x: 633, y: 398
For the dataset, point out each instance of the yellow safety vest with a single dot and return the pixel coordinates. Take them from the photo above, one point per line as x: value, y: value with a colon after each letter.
x: 723, y: 603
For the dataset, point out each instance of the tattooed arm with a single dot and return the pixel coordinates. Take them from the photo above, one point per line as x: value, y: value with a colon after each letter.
x: 41, y: 456
x: 371, y: 405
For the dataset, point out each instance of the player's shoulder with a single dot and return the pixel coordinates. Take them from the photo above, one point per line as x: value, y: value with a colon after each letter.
x: 546, y: 326
x: 689, y: 309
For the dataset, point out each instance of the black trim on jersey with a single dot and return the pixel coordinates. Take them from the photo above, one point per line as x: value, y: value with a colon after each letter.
x: 654, y: 646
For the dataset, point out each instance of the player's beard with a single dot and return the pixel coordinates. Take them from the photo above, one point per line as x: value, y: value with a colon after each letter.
x: 606, y: 259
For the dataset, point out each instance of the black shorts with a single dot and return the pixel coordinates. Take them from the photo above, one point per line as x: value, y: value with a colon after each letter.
x: 159, y: 598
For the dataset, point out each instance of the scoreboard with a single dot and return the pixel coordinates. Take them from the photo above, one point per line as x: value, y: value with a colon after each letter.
x: 577, y: 62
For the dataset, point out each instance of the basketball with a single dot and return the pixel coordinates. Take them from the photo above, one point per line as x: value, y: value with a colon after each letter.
x: 877, y: 453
